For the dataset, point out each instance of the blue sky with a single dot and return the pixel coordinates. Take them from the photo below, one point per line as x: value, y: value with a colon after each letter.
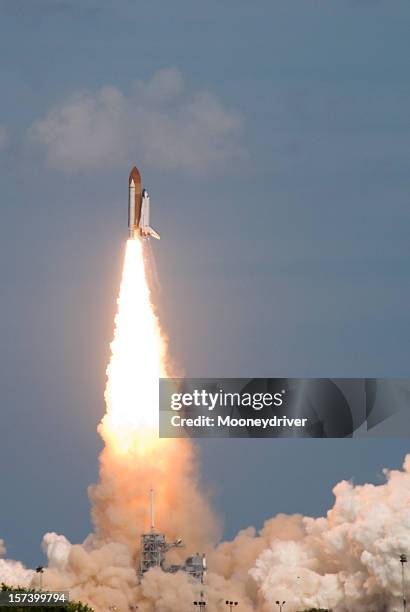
x: 274, y: 139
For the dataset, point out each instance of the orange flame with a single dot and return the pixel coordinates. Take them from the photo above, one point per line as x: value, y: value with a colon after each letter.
x: 137, y: 361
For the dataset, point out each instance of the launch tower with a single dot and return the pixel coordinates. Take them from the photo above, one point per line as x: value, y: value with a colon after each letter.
x: 154, y: 548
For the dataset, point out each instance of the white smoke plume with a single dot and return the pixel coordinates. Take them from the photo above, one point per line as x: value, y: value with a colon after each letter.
x: 13, y: 572
x: 346, y: 560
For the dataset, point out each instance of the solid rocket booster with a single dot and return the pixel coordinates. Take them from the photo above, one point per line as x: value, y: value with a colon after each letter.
x: 138, y: 208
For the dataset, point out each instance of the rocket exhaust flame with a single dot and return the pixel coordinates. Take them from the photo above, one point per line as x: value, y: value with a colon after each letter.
x: 136, y: 363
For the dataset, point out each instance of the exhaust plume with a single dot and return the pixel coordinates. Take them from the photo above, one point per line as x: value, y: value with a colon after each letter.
x: 347, y: 560
x: 135, y: 459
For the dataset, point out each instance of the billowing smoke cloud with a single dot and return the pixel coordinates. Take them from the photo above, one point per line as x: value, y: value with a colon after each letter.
x: 170, y: 127
x: 120, y: 508
x: 346, y: 560
x: 13, y: 572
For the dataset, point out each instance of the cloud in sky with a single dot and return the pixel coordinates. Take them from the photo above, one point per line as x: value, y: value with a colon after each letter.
x: 161, y: 122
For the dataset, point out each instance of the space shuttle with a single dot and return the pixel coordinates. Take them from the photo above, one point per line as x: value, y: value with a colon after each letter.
x: 138, y: 208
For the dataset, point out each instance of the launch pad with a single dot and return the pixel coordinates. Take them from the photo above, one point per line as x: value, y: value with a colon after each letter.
x: 154, y: 548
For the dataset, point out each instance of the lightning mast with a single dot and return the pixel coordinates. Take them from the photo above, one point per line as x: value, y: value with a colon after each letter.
x: 151, y: 506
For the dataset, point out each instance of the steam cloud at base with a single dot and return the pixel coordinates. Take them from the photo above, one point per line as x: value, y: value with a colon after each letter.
x: 348, y: 559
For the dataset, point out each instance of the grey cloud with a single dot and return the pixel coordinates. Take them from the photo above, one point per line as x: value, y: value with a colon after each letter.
x: 160, y: 121
x: 84, y: 131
